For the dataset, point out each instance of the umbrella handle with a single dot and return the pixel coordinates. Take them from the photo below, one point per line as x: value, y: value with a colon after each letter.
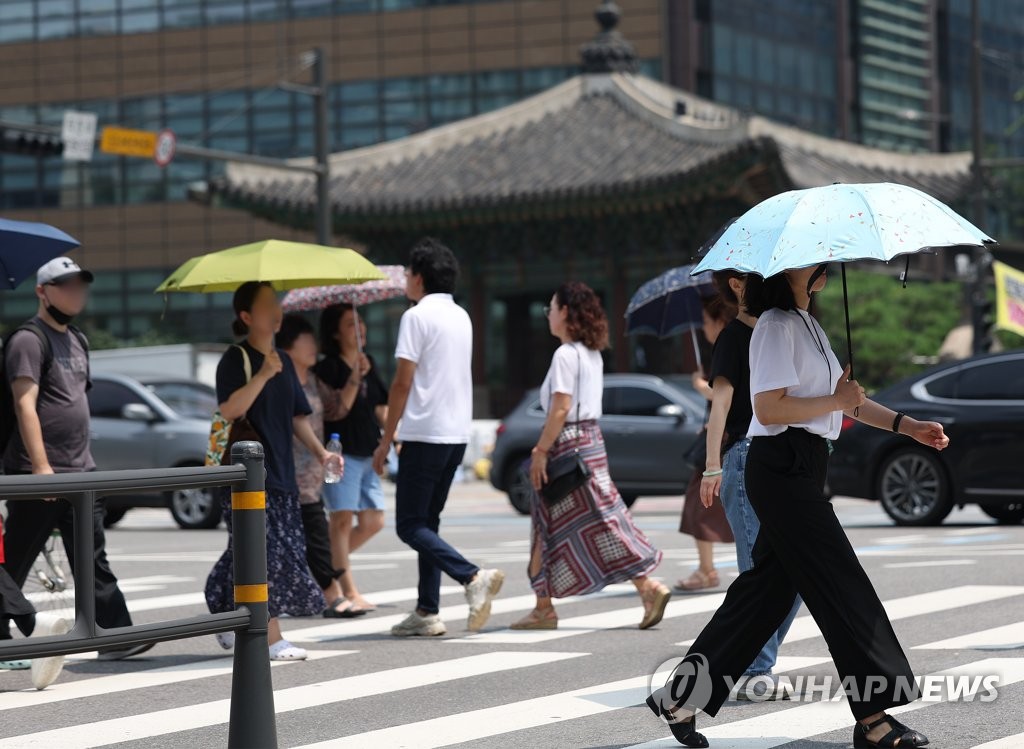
x: 696, y: 351
x: 849, y: 336
x: 359, y: 333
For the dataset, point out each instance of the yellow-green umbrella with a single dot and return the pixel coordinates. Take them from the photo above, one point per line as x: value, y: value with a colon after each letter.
x: 287, y: 265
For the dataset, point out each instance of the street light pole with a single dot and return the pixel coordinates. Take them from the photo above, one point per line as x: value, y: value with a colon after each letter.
x: 978, y: 207
x: 322, y: 148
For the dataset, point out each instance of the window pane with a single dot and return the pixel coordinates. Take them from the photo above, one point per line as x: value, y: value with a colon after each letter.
x: 943, y: 387
x: 106, y: 399
x: 1003, y: 380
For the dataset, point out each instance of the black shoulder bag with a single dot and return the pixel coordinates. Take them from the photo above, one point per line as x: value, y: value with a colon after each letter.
x: 568, y: 472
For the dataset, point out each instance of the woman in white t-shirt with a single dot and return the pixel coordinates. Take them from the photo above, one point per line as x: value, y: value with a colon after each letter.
x: 799, y: 393
x: 587, y: 540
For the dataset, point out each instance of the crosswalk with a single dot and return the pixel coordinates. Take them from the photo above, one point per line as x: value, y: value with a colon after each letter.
x: 504, y: 653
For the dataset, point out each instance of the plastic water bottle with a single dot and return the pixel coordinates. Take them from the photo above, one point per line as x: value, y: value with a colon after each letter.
x: 332, y: 473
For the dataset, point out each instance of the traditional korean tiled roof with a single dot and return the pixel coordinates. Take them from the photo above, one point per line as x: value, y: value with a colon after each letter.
x: 598, y: 143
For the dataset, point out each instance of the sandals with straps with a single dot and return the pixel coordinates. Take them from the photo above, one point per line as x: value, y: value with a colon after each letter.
x: 899, y: 736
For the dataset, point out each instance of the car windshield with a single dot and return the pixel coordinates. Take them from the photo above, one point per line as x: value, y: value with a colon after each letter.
x: 190, y: 400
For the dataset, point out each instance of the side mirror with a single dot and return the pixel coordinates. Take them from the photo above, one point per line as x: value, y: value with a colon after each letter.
x: 674, y: 411
x: 138, y: 412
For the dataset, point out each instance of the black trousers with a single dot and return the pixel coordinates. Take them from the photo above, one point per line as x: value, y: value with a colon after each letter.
x: 802, y: 549
x: 28, y: 526
x: 318, y: 545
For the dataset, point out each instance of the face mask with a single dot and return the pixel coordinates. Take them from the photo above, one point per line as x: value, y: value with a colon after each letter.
x: 59, y: 316
x: 818, y: 273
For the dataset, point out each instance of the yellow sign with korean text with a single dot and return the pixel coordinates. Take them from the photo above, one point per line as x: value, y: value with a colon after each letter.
x: 1009, y: 298
x: 125, y: 142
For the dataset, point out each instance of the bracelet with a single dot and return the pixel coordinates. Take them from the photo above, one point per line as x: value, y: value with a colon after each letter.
x: 541, y: 450
x: 897, y: 420
x: 711, y: 474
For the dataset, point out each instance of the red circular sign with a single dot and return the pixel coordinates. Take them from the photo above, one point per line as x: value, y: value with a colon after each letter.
x: 163, y: 154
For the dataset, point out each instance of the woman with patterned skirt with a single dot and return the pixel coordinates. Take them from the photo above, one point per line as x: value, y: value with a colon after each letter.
x: 587, y: 540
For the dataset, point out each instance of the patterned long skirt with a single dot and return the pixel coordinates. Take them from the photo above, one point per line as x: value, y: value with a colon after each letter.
x: 291, y: 587
x: 587, y: 540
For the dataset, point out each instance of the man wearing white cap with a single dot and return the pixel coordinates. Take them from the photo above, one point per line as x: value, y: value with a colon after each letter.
x: 47, y: 366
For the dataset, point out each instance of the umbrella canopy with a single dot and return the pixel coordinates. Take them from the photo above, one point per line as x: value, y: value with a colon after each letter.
x: 838, y: 223
x: 669, y: 304
x: 319, y: 297
x: 286, y: 265
x: 26, y: 246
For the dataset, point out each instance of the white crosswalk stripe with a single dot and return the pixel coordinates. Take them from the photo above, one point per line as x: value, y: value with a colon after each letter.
x: 513, y: 653
x: 163, y: 722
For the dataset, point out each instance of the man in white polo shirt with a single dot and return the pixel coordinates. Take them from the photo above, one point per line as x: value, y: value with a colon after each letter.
x: 432, y: 396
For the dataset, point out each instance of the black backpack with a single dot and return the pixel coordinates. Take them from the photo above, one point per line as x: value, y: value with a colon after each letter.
x: 8, y: 419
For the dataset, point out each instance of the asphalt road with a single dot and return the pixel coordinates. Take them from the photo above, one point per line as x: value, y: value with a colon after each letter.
x: 955, y: 594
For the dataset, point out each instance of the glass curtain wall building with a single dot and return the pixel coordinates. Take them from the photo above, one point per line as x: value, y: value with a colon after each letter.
x: 209, y: 70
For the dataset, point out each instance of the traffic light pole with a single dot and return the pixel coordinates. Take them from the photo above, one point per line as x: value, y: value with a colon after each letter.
x: 45, y: 140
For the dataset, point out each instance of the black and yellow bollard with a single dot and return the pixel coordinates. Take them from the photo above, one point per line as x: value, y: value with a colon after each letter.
x: 253, y: 724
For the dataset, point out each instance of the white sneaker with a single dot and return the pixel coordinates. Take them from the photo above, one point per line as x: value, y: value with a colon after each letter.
x: 415, y: 625
x: 282, y: 650
x: 226, y: 640
x: 479, y: 595
x: 46, y: 670
x: 763, y: 688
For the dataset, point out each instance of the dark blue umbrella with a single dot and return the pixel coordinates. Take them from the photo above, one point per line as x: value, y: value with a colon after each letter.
x: 670, y: 304
x: 25, y: 247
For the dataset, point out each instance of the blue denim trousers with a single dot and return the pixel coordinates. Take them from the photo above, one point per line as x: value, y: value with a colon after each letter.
x: 745, y: 525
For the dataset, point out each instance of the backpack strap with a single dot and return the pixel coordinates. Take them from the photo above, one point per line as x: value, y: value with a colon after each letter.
x: 36, y: 328
x: 84, y: 342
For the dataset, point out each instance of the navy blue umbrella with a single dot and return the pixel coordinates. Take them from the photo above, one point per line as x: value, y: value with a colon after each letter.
x: 670, y: 304
x: 25, y: 247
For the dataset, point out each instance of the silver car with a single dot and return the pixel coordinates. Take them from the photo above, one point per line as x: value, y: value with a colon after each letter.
x: 154, y: 423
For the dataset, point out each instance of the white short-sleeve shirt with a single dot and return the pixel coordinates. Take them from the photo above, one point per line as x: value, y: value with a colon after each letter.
x: 569, y: 359
x: 437, y: 335
x: 789, y: 350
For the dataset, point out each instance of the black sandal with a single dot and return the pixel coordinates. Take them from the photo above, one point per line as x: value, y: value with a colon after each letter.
x: 331, y: 612
x: 899, y: 736
x: 684, y: 731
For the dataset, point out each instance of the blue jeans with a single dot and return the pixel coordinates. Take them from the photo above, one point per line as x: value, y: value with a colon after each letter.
x: 745, y: 525
x: 425, y: 474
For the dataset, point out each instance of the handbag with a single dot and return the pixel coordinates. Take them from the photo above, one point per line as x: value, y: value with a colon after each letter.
x: 224, y: 433
x: 568, y: 472
x: 696, y: 455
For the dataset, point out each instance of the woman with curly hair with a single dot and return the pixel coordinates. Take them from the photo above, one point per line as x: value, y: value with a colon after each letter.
x: 586, y: 540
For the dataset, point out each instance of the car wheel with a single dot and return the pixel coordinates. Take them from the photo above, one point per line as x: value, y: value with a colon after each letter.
x: 913, y: 488
x: 195, y: 508
x: 113, y: 517
x: 517, y: 486
x: 629, y: 499
x: 1006, y: 514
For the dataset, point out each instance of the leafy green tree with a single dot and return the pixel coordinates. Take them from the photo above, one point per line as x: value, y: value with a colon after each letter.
x: 890, y: 325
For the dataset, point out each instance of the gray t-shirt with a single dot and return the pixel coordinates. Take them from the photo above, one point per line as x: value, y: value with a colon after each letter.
x: 62, y: 404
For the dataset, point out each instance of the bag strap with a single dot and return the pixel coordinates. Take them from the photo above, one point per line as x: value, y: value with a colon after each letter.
x: 246, y: 363
x: 579, y: 395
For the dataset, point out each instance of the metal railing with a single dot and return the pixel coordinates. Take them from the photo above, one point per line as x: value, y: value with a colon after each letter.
x: 252, y: 720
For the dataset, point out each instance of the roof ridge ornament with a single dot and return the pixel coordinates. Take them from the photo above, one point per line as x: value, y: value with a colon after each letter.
x: 609, y: 51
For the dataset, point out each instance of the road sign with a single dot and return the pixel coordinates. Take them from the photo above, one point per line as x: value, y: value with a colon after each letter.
x: 125, y: 142
x: 165, y: 146
x: 79, y: 135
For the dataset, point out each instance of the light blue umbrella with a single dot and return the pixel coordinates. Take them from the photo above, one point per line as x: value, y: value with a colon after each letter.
x: 670, y: 304
x: 838, y: 224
